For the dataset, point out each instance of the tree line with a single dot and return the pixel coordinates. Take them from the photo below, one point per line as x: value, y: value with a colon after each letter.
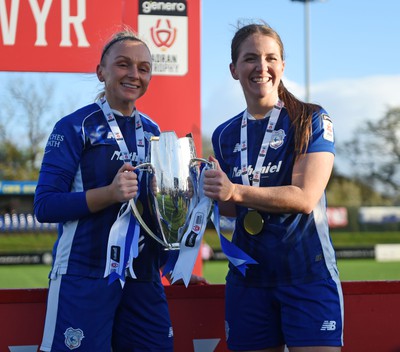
x: 373, y: 154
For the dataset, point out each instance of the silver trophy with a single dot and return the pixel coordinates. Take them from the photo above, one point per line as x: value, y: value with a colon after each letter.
x: 172, y: 176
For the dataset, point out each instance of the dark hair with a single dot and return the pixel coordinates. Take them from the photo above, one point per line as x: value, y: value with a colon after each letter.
x: 300, y: 113
x: 244, y: 32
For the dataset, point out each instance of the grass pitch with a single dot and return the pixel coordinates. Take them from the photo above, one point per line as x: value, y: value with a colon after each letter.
x: 35, y: 276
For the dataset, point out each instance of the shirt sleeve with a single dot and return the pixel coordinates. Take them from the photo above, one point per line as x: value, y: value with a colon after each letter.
x: 216, y: 143
x: 323, y: 139
x: 55, y: 200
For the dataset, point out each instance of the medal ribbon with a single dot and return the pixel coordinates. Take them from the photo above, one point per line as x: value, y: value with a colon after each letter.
x: 261, y: 154
x: 234, y: 254
x: 264, y: 146
x: 123, y: 239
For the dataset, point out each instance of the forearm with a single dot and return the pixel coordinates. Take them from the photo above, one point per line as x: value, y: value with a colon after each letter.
x: 50, y: 206
x: 281, y: 199
x: 99, y: 198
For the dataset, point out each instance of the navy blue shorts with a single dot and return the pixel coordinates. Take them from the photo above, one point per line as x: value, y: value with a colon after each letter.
x: 298, y: 315
x: 88, y: 314
x: 142, y: 322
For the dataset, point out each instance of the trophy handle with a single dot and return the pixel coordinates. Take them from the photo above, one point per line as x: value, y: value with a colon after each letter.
x: 149, y: 168
x: 202, y: 160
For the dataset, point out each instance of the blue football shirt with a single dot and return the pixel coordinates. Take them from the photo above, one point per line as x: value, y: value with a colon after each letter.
x: 292, y: 248
x: 81, y: 154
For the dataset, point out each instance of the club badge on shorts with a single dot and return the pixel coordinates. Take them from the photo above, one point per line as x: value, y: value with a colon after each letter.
x: 253, y: 222
x: 73, y: 338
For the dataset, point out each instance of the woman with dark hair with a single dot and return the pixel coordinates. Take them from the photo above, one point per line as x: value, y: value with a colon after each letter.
x: 275, y: 159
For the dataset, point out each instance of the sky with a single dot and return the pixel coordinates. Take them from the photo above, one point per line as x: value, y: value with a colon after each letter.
x: 354, y: 56
x: 354, y: 59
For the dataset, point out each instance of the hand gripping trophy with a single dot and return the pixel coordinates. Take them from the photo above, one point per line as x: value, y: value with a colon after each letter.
x: 174, y: 177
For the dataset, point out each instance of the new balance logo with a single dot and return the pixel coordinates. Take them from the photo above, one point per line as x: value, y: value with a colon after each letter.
x: 237, y: 148
x: 328, y: 325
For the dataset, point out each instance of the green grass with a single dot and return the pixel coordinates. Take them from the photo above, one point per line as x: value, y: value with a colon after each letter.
x: 339, y: 239
x: 26, y: 243
x: 24, y: 276
x: 350, y: 270
x: 360, y: 239
x: 368, y: 270
x: 33, y: 276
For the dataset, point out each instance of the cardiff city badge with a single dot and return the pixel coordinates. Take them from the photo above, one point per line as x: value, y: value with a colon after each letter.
x: 73, y: 338
x: 277, y: 139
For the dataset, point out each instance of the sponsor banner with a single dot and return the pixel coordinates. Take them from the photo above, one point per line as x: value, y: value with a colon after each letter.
x: 379, y: 215
x: 55, y: 36
x: 387, y: 252
x: 355, y: 253
x: 56, y: 33
x: 17, y: 187
x: 337, y: 217
x: 164, y: 27
x: 26, y: 258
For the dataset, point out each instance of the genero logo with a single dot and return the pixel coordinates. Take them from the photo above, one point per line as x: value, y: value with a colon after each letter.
x: 164, y: 27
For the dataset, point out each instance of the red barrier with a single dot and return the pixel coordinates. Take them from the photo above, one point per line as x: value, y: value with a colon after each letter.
x: 372, y: 310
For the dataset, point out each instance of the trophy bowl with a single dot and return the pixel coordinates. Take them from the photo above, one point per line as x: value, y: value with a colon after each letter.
x: 172, y: 177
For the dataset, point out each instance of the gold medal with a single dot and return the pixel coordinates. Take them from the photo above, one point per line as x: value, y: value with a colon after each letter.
x: 253, y: 222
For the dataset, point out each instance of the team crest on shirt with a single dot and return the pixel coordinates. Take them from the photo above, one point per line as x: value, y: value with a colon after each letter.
x: 73, y: 338
x: 277, y: 138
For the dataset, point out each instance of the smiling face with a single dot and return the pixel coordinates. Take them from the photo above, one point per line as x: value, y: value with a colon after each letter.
x: 126, y: 73
x: 259, y: 68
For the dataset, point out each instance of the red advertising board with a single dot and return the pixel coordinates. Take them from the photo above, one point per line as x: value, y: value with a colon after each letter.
x: 54, y: 36
x: 197, y: 312
x: 68, y: 35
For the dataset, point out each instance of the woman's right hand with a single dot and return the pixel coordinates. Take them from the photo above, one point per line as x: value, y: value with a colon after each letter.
x: 217, y: 185
x: 124, y: 186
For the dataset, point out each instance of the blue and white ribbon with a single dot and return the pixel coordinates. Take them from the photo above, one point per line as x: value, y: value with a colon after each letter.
x: 123, y: 234
x: 234, y: 254
x: 180, y: 264
x: 190, y: 244
x: 123, y: 239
